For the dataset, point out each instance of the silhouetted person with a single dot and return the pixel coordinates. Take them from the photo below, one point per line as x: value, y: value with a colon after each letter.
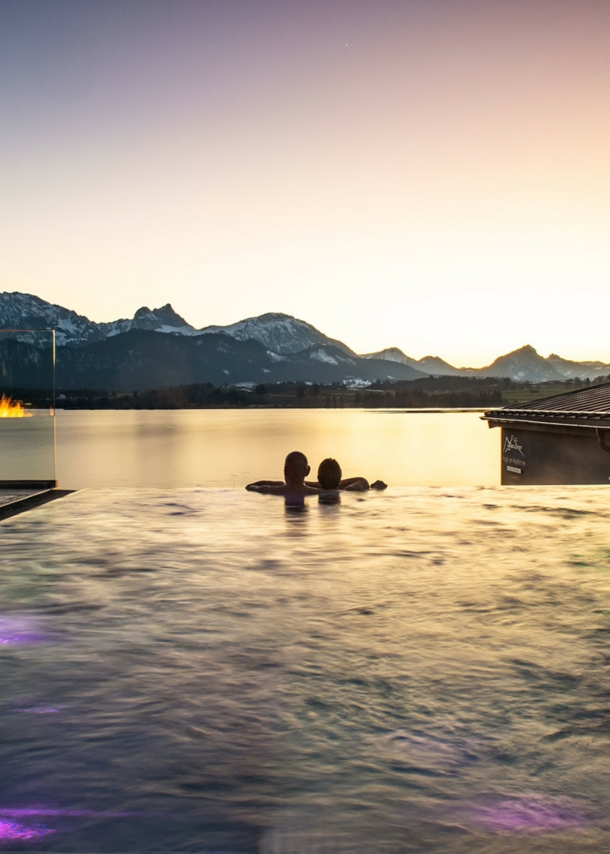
x: 329, y: 474
x: 329, y: 478
x: 296, y: 469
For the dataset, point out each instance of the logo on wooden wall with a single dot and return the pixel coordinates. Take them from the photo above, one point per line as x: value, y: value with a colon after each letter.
x: 511, y: 443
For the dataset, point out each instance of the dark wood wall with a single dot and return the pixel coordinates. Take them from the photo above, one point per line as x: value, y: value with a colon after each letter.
x: 548, y: 457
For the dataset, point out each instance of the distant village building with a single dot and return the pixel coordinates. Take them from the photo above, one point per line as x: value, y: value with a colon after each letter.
x: 556, y: 440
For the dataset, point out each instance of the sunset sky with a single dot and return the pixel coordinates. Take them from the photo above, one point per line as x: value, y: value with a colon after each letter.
x: 427, y: 174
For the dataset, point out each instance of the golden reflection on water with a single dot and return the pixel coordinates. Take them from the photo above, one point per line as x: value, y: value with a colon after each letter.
x: 234, y: 447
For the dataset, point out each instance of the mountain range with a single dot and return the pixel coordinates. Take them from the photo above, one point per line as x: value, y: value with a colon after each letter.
x: 158, y: 347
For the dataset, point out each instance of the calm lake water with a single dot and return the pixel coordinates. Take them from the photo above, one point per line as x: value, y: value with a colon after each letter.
x: 234, y: 447
x: 421, y: 670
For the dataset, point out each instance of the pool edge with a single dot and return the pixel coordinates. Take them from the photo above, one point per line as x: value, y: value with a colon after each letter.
x: 31, y: 502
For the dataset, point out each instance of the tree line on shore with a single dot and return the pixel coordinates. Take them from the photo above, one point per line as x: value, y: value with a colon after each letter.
x: 432, y: 392
x: 426, y: 393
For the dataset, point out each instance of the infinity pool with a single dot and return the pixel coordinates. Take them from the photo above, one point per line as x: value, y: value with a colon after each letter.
x: 421, y: 670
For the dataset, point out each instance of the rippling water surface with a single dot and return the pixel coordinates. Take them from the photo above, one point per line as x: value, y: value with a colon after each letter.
x: 422, y: 670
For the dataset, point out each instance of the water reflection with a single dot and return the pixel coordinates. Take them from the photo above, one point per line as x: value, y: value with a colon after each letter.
x: 330, y: 498
x: 295, y: 504
x: 235, y: 447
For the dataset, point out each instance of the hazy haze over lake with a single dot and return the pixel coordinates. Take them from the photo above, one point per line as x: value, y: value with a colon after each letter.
x: 225, y: 448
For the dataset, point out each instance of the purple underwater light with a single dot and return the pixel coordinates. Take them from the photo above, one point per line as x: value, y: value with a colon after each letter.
x: 41, y: 709
x: 40, y: 811
x: 19, y: 630
x: 533, y: 814
x: 10, y: 831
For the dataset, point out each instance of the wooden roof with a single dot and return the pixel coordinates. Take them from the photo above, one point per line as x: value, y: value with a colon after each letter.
x: 585, y: 407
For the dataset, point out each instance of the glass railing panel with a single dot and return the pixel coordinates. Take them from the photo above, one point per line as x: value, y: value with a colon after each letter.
x: 27, y: 408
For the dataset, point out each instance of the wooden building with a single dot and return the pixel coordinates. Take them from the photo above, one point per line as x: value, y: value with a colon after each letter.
x: 556, y: 440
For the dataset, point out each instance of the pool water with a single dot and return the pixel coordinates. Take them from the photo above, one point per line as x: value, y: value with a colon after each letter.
x: 418, y: 670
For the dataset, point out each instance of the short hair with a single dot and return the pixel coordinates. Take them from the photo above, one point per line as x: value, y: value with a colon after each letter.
x: 297, y: 462
x: 329, y: 474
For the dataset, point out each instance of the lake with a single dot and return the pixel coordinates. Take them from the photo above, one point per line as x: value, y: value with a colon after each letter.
x: 218, y: 447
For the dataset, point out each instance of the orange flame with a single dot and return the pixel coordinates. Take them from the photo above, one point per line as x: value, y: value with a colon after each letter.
x: 12, y: 408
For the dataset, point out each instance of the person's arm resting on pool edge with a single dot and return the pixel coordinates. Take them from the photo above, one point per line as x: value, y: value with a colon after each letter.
x: 361, y: 484
x: 355, y: 484
x: 352, y: 484
x: 256, y: 486
x: 267, y: 488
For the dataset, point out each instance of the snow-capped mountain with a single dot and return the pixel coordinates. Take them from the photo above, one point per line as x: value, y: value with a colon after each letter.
x: 524, y: 364
x: 140, y: 359
x: 428, y: 364
x: 279, y: 333
x: 392, y: 354
x: 288, y: 348
x: 439, y: 367
x: 25, y: 311
x: 570, y: 370
x: 163, y: 319
x: 158, y: 347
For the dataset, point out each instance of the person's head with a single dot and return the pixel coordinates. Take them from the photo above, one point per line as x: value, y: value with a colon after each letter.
x: 329, y: 474
x: 296, y: 467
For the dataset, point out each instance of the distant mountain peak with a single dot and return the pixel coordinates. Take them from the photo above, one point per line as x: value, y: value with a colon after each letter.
x: 286, y: 340
x: 281, y: 333
x: 166, y: 315
x: 437, y: 366
x: 523, y: 364
x: 392, y: 354
x: 271, y: 317
x: 163, y: 319
x: 26, y: 311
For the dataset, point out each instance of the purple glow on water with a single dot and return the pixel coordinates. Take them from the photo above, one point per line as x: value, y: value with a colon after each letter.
x: 533, y: 814
x: 25, y: 638
x: 10, y: 831
x: 40, y: 710
x: 19, y: 630
x: 38, y: 811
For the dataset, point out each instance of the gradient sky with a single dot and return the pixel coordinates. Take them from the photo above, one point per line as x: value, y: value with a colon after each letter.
x: 427, y: 174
